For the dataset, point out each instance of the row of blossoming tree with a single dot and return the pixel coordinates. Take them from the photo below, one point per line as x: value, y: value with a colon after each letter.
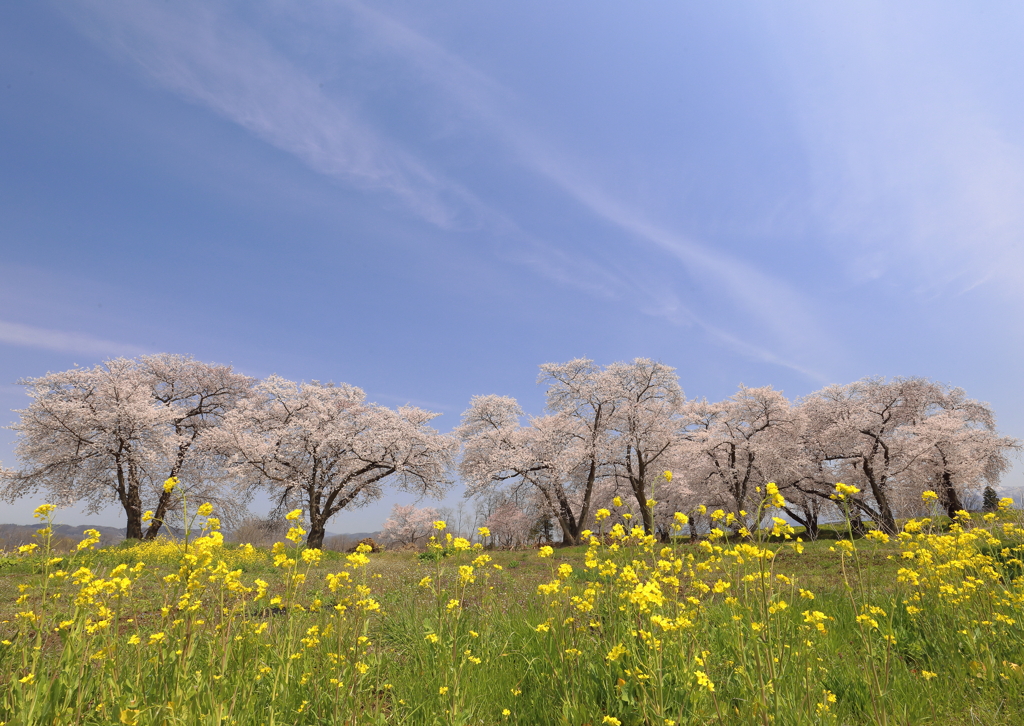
x: 117, y: 431
x: 611, y: 431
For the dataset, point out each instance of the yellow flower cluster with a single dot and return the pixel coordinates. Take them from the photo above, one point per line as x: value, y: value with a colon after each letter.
x: 636, y: 619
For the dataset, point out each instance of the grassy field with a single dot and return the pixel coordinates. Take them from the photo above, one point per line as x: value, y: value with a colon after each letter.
x: 920, y: 629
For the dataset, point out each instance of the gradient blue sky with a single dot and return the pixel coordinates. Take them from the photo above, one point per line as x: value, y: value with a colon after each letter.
x: 428, y: 200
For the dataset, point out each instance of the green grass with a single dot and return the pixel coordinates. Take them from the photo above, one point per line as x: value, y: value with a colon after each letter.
x: 589, y: 651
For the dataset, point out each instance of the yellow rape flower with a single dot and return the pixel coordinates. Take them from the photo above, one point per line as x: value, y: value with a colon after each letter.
x: 44, y: 510
x: 616, y: 652
x: 205, y: 509
x: 703, y: 681
x: 844, y: 490
x: 545, y: 551
x: 867, y: 620
x: 845, y: 545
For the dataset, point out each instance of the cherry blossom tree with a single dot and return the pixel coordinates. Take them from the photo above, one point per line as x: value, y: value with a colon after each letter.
x: 408, y: 524
x: 560, y: 457
x: 675, y: 495
x: 546, y: 458
x: 809, y: 504
x: 646, y: 427
x: 962, y: 450
x: 738, y: 445
x: 616, y: 423
x: 583, y: 405
x: 89, y: 435
x: 510, y: 525
x: 864, y: 433
x: 195, y: 397
x: 323, y: 447
x: 118, y: 430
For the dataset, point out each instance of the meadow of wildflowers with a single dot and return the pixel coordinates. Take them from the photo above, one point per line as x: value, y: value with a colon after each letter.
x: 739, y: 627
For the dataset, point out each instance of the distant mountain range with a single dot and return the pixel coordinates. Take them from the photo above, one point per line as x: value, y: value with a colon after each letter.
x: 15, y: 535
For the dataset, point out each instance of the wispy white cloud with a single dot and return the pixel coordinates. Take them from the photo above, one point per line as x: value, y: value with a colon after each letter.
x: 914, y: 144
x: 232, y: 70
x: 769, y: 303
x: 28, y: 336
x: 195, y: 52
x: 567, y: 269
x: 192, y: 50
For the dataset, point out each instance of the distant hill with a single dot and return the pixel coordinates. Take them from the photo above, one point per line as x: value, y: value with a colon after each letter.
x: 346, y: 540
x: 15, y: 535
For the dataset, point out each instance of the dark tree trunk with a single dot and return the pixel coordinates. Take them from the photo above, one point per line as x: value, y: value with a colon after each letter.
x: 808, y: 519
x: 570, y: 536
x: 134, y: 528
x: 885, y: 520
x: 950, y: 499
x: 648, y: 517
x: 128, y: 492
x: 694, y: 532
x: 857, y: 523
x: 165, y: 497
x: 563, y: 515
x: 639, y: 486
x: 162, y: 505
x: 315, y: 538
x: 570, y: 526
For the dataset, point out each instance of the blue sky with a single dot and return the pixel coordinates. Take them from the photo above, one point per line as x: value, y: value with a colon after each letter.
x: 428, y: 200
